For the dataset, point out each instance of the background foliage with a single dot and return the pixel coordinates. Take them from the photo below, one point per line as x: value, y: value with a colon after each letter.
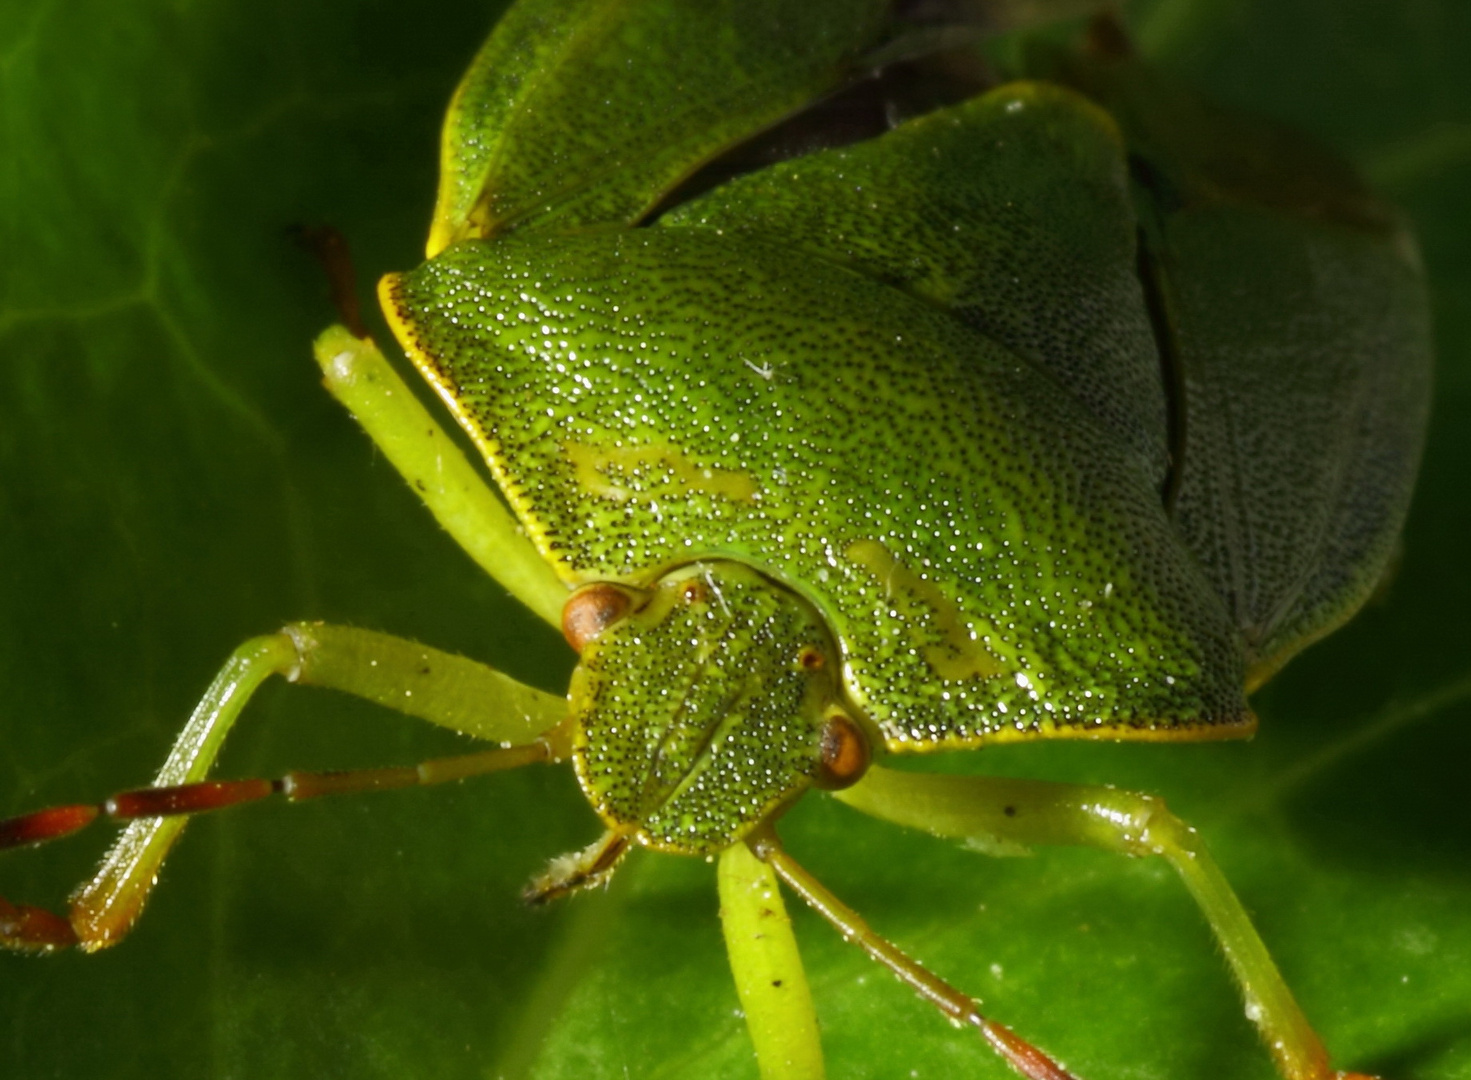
x: 172, y: 480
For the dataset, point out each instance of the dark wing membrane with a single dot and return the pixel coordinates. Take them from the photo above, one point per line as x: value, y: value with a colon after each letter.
x: 1292, y: 303
x: 1305, y: 351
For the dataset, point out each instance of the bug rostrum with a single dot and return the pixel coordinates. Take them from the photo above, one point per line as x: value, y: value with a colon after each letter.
x: 1034, y: 417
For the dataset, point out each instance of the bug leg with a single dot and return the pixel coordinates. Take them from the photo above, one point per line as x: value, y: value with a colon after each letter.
x: 356, y: 373
x: 444, y: 689
x: 592, y: 866
x: 1000, y: 813
x: 1025, y: 1058
x: 768, y: 969
x: 31, y: 929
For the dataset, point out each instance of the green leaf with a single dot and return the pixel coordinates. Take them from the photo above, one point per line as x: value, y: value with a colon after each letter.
x: 172, y: 481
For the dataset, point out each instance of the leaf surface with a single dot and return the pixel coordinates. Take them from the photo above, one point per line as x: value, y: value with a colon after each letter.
x: 172, y: 481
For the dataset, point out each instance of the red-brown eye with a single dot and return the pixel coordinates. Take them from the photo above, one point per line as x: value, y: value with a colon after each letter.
x: 845, y: 754
x: 591, y: 610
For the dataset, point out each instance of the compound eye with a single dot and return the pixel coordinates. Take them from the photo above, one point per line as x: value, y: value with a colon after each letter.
x: 845, y: 754
x: 591, y: 610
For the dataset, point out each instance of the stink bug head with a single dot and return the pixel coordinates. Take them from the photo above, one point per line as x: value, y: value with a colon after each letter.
x: 704, y: 710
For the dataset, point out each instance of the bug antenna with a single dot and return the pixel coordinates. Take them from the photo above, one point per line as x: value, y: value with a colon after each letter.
x: 329, y: 247
x: 1024, y: 1058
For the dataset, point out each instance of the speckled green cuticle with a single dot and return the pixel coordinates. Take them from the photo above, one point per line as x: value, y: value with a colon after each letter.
x: 698, y: 716
x: 1045, y: 533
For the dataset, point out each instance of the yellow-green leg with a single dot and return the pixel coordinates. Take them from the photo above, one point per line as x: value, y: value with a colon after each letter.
x: 356, y: 373
x: 1025, y: 1059
x: 447, y: 690
x: 1001, y: 813
x: 768, y: 969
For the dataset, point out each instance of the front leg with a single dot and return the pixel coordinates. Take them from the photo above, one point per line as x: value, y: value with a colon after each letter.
x: 768, y: 971
x: 358, y: 375
x: 444, y: 689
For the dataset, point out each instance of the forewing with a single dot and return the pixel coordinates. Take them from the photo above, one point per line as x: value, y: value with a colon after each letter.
x: 581, y: 113
x: 1295, y: 309
x: 1305, y: 349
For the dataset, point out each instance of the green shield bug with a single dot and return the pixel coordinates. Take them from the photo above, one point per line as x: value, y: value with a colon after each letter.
x: 870, y: 559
